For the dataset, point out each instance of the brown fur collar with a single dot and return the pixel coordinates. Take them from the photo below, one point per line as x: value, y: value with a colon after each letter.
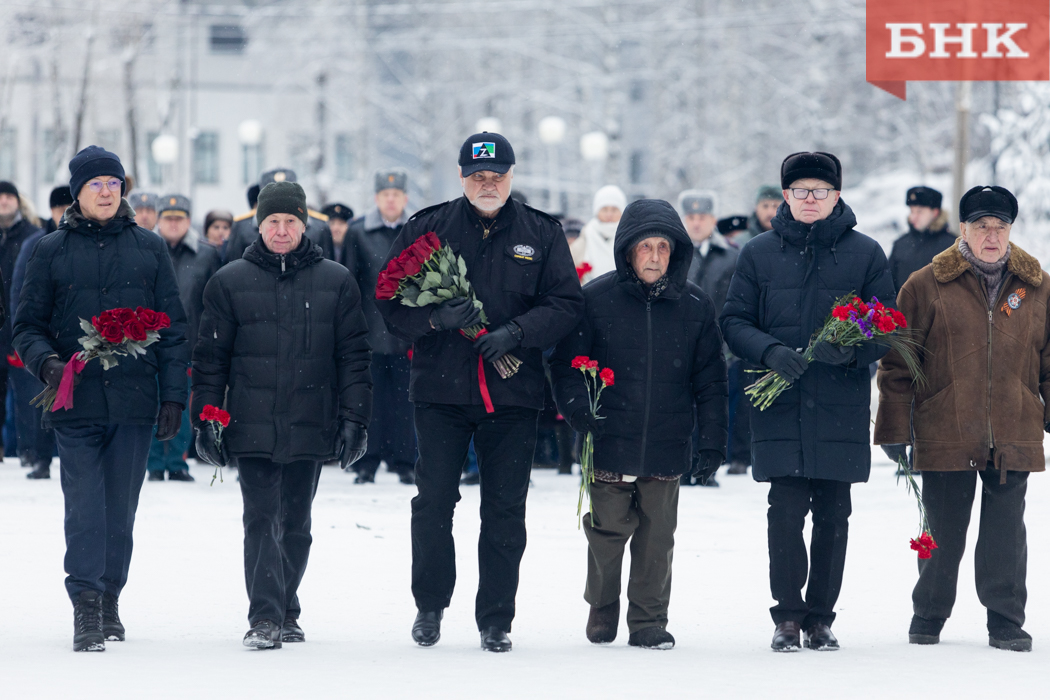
x: 949, y: 264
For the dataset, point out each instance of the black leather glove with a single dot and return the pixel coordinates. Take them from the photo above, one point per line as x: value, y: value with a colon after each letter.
x: 169, y: 421
x: 454, y: 314
x: 1047, y: 427
x: 784, y: 361
x: 833, y: 354
x: 897, y: 452
x: 583, y: 422
x: 353, y: 438
x: 52, y: 370
x: 495, y: 344
x: 708, y: 463
x: 206, y: 449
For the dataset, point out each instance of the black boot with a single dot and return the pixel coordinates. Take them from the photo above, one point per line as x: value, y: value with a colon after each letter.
x: 365, y: 478
x: 1006, y: 634
x: 156, y: 476
x: 263, y: 635
x: 602, y: 623
x: 786, y: 637
x: 651, y: 638
x: 112, y: 628
x: 87, y: 622
x: 407, y: 477
x: 495, y: 639
x: 820, y: 638
x: 41, y: 471
x: 471, y: 479
x: 426, y: 630
x: 180, y: 475
x: 923, y: 631
x: 291, y: 632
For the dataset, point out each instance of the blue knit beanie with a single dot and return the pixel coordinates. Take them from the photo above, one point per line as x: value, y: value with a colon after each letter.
x: 94, y: 162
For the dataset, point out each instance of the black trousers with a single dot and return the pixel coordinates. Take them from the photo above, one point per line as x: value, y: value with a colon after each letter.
x: 278, y: 499
x: 739, y: 414
x: 1001, y: 555
x: 390, y: 435
x: 791, y: 498
x: 36, y: 444
x: 102, y: 470
x: 504, y: 442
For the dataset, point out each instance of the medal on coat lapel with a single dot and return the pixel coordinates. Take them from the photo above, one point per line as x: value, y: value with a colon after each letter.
x: 1013, y: 301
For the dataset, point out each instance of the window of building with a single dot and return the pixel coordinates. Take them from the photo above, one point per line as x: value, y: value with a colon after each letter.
x: 206, y: 158
x: 251, y: 163
x: 344, y: 157
x: 228, y: 38
x: 8, y: 154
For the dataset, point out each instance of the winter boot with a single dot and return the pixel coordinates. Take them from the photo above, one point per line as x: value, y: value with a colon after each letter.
x: 923, y: 631
x: 263, y: 635
x: 365, y: 478
x: 1006, y: 634
x: 291, y: 632
x: 426, y: 630
x: 820, y: 638
x: 156, y: 476
x: 180, y: 475
x: 407, y: 477
x: 87, y: 622
x: 651, y: 638
x: 496, y: 640
x: 112, y: 628
x: 737, y: 468
x: 602, y: 622
x: 41, y: 471
x: 786, y: 637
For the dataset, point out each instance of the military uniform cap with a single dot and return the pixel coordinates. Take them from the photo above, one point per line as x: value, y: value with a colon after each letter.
x: 277, y: 175
x: 174, y: 204
x: 923, y: 197
x: 730, y: 224
x: 391, y: 180
x: 142, y: 200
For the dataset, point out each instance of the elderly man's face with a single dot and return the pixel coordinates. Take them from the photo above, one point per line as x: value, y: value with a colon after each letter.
x: 486, y: 190
x: 100, y: 197
x: 699, y: 226
x: 650, y: 258
x: 765, y: 210
x: 608, y: 214
x: 282, y: 233
x: 922, y: 217
x: 8, y: 204
x: 146, y: 218
x: 809, y: 209
x: 391, y: 203
x: 173, y: 227
x: 987, y: 238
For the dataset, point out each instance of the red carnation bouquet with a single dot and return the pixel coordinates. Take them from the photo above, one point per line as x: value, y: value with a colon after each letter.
x: 219, y: 419
x: 111, y: 333
x: 851, y: 322
x: 596, y: 381
x: 925, y: 544
x: 426, y: 273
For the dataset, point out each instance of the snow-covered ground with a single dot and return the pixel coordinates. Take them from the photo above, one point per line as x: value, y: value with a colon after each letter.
x: 185, y: 605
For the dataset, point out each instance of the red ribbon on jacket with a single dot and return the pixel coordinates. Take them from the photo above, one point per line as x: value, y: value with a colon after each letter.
x: 64, y: 397
x: 482, y: 383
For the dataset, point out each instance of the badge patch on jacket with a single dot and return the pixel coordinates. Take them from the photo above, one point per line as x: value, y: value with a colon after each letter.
x: 1013, y: 301
x: 524, y: 252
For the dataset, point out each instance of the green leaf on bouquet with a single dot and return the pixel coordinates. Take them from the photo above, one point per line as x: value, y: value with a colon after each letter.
x: 88, y: 328
x: 443, y: 265
x: 426, y: 298
x: 433, y: 279
x: 478, y: 305
x: 410, y: 292
x: 409, y: 302
x: 484, y: 318
x: 108, y: 361
x: 444, y: 293
x: 91, y: 343
x: 446, y: 281
x: 462, y: 265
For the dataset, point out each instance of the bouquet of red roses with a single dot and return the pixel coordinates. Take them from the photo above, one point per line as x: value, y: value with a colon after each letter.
x: 850, y: 323
x: 111, y: 333
x: 427, y: 272
x: 596, y: 381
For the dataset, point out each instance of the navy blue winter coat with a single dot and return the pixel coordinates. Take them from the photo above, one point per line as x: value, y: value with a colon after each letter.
x: 785, y: 284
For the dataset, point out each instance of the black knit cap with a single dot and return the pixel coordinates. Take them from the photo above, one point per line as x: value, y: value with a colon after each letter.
x: 818, y: 165
x: 923, y: 197
x: 281, y: 198
x: 94, y: 162
x: 988, y: 200
x: 60, y: 197
x: 8, y: 188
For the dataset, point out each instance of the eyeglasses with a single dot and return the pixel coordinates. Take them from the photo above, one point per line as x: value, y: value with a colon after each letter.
x: 111, y: 185
x: 799, y: 193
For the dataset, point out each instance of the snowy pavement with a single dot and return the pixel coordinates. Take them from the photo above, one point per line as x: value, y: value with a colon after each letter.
x: 185, y: 605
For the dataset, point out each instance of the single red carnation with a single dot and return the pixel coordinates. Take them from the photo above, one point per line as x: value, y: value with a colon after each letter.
x: 608, y: 378
x: 580, y: 362
x: 898, y: 318
x: 926, y: 540
x: 592, y: 364
x: 885, y: 324
x: 841, y: 313
x: 112, y: 332
x: 134, y: 330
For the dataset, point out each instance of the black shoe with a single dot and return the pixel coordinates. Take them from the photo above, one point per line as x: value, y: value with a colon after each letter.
x: 471, y: 479
x: 292, y: 633
x: 786, y: 637
x: 263, y: 635
x: 923, y: 631
x: 426, y: 630
x: 737, y: 468
x: 1006, y: 634
x: 180, y: 475
x: 651, y: 638
x: 156, y: 476
x: 87, y: 622
x: 820, y: 638
x: 602, y: 623
x: 495, y: 639
x: 112, y: 628
x: 710, y: 483
x: 365, y: 478
x: 408, y: 478
x: 41, y: 472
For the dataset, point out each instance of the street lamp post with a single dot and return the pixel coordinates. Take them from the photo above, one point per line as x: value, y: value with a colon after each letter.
x: 594, y: 147
x: 165, y: 150
x: 552, y: 133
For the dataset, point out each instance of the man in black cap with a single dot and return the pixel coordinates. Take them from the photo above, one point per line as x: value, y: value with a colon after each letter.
x: 58, y: 203
x: 927, y: 234
x: 339, y: 218
x: 813, y: 442
x: 518, y: 263
x: 367, y: 243
x: 145, y: 206
x: 245, y: 230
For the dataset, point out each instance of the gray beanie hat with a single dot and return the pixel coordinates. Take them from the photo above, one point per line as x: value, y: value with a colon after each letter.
x: 281, y: 198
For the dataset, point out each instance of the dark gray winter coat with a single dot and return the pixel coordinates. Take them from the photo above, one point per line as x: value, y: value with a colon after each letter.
x: 786, y: 282
x: 915, y: 250
x: 195, y: 262
x: 367, y: 243
x: 11, y: 241
x: 713, y: 272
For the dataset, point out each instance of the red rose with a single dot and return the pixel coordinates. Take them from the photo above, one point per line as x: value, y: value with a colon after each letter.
x: 395, y: 270
x: 103, y: 318
x: 112, y: 332
x: 898, y: 318
x: 134, y: 330
x: 412, y: 266
x: 608, y: 378
x: 151, y: 320
x: 124, y: 315
x: 433, y: 242
x: 386, y: 288
x: 580, y: 362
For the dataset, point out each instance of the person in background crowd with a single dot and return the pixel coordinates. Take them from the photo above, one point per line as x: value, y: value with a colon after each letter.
x: 658, y: 333
x: 739, y: 453
x: 595, y: 244
x: 367, y: 243
x: 145, y: 206
x: 296, y: 399
x: 194, y: 264
x: 99, y: 259
x: 217, y: 225
x: 813, y: 442
x: 245, y: 231
x: 339, y: 218
x: 58, y: 202
x: 519, y: 265
x: 927, y: 234
x: 767, y: 199
x: 730, y: 226
x: 978, y: 315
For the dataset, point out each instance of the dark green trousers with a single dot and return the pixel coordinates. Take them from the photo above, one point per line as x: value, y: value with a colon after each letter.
x: 646, y: 513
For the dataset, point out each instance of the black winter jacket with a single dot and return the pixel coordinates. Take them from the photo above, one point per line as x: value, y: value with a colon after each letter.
x: 666, y: 356
x: 367, y: 243
x: 915, y: 250
x: 284, y: 342
x: 195, y: 262
x: 81, y: 270
x: 11, y: 241
x: 785, y: 284
x: 520, y: 266
x: 713, y: 272
x: 245, y: 231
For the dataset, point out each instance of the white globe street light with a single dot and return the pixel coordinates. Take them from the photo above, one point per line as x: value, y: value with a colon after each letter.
x: 552, y: 130
x: 165, y: 149
x: 594, y: 146
x: 250, y: 132
x: 489, y: 124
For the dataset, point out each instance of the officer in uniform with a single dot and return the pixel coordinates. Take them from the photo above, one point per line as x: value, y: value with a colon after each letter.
x: 145, y: 206
x: 339, y: 218
x: 245, y: 231
x: 519, y: 265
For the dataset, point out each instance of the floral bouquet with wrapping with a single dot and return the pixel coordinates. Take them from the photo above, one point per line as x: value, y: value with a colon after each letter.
x: 110, y: 334
x: 426, y: 273
x: 596, y: 381
x: 851, y: 322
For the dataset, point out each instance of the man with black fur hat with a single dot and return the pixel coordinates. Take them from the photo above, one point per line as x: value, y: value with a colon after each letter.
x: 58, y: 202
x: 519, y: 265
x: 813, y: 442
x: 927, y: 234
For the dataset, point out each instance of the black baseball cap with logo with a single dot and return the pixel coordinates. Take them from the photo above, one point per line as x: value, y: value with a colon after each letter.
x: 485, y: 151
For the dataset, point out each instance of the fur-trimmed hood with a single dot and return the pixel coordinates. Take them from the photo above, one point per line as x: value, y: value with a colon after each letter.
x: 948, y: 265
